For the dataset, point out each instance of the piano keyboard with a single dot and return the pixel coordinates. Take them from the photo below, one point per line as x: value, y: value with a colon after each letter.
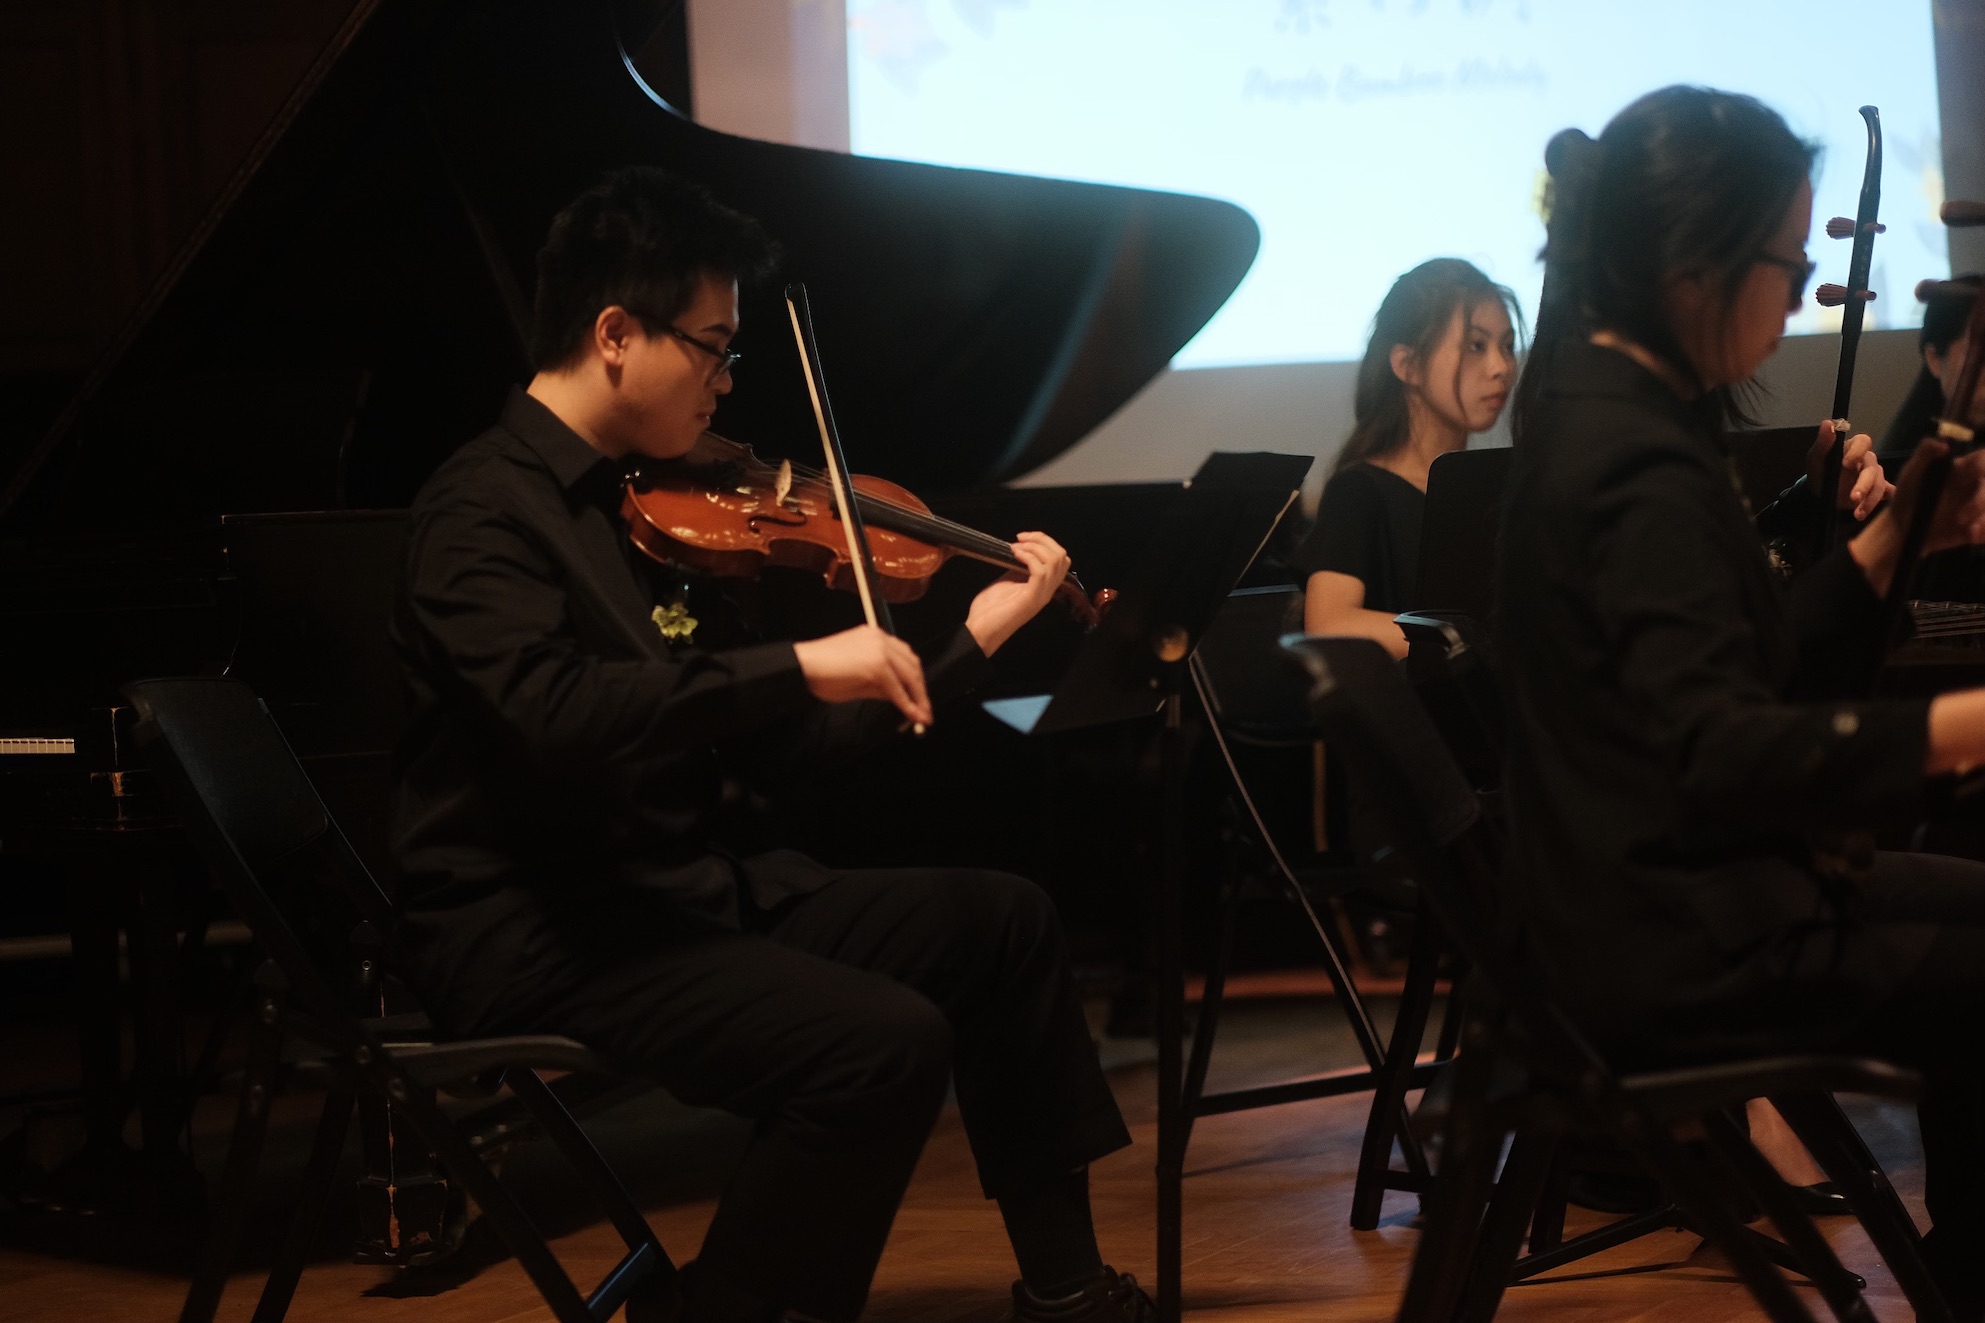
x: 34, y: 746
x: 1949, y: 624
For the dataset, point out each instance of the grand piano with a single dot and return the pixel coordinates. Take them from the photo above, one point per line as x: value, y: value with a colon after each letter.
x: 354, y: 306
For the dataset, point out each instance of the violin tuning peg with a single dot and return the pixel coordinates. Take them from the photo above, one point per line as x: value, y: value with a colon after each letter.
x: 1830, y: 295
x: 1840, y: 227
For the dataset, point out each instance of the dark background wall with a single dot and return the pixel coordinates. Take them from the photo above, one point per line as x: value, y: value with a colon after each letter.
x: 120, y: 121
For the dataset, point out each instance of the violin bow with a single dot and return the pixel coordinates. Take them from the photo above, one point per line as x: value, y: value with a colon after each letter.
x: 1852, y: 299
x: 875, y: 608
x: 1957, y: 428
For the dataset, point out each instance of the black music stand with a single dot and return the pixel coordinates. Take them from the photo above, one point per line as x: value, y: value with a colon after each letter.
x: 1133, y: 665
x: 1458, y: 532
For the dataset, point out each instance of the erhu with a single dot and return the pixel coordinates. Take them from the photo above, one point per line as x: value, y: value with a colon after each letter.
x: 1852, y: 299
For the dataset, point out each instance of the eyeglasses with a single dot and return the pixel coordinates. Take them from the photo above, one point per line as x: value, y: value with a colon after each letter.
x: 1799, y: 269
x: 727, y: 359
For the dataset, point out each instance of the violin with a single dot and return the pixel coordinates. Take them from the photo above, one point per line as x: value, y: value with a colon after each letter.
x: 723, y: 510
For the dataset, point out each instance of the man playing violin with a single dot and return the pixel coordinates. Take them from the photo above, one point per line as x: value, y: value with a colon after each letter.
x: 569, y: 828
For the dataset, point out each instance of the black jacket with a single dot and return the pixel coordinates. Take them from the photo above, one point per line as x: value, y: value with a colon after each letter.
x: 557, y: 744
x: 1680, y: 732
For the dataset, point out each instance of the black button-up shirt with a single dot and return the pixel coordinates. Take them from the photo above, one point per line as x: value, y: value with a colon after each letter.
x: 1681, y: 732
x: 557, y: 742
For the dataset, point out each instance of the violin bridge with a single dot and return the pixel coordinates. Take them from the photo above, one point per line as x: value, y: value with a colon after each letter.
x: 782, y: 486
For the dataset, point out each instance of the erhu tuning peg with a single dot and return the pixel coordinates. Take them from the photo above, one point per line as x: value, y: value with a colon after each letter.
x: 1959, y: 213
x: 1944, y: 289
x: 1831, y: 295
x: 1840, y: 227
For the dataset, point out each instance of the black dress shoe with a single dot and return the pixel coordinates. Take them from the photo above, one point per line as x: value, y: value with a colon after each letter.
x: 1113, y: 1297
x: 1821, y: 1200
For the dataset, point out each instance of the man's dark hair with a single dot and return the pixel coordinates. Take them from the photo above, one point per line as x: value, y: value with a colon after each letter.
x: 1686, y: 181
x: 640, y: 239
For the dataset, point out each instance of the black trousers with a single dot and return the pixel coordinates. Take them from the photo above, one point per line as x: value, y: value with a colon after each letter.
x: 1918, y: 945
x: 837, y: 1027
x: 1903, y: 979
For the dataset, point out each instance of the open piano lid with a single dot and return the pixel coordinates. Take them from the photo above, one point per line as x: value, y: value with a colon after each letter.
x: 354, y: 305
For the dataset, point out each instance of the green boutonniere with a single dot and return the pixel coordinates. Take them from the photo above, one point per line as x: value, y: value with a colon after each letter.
x: 674, y: 621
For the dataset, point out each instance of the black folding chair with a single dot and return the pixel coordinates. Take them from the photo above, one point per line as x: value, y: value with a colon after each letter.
x: 318, y: 917
x: 1526, y: 1074
x: 1453, y: 672
x: 1251, y: 699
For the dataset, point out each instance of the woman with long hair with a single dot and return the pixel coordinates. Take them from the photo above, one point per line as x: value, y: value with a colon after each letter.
x: 1689, y: 754
x: 1941, y: 344
x: 1440, y: 364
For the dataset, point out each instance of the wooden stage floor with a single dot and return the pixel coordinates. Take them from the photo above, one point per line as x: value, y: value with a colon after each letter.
x: 1266, y: 1239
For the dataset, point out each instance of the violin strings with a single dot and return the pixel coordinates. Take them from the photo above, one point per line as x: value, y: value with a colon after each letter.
x: 885, y: 513
x: 917, y: 523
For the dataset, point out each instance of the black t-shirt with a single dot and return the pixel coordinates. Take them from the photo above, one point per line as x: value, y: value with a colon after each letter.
x: 1368, y: 526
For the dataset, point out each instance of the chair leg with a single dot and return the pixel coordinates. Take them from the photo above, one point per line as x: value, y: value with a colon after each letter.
x: 1681, y: 1172
x: 1525, y: 1170
x: 593, y: 1171
x: 1834, y: 1143
x: 1631, y: 1227
x: 1547, y: 1227
x: 1451, y: 1013
x: 1470, y: 1145
x: 244, y: 1159
x: 1388, y: 1117
x: 322, y: 1169
x: 1212, y: 998
x: 1809, y: 1249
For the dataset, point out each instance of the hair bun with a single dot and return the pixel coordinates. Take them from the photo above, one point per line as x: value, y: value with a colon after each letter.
x: 1572, y: 158
x: 1570, y: 152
